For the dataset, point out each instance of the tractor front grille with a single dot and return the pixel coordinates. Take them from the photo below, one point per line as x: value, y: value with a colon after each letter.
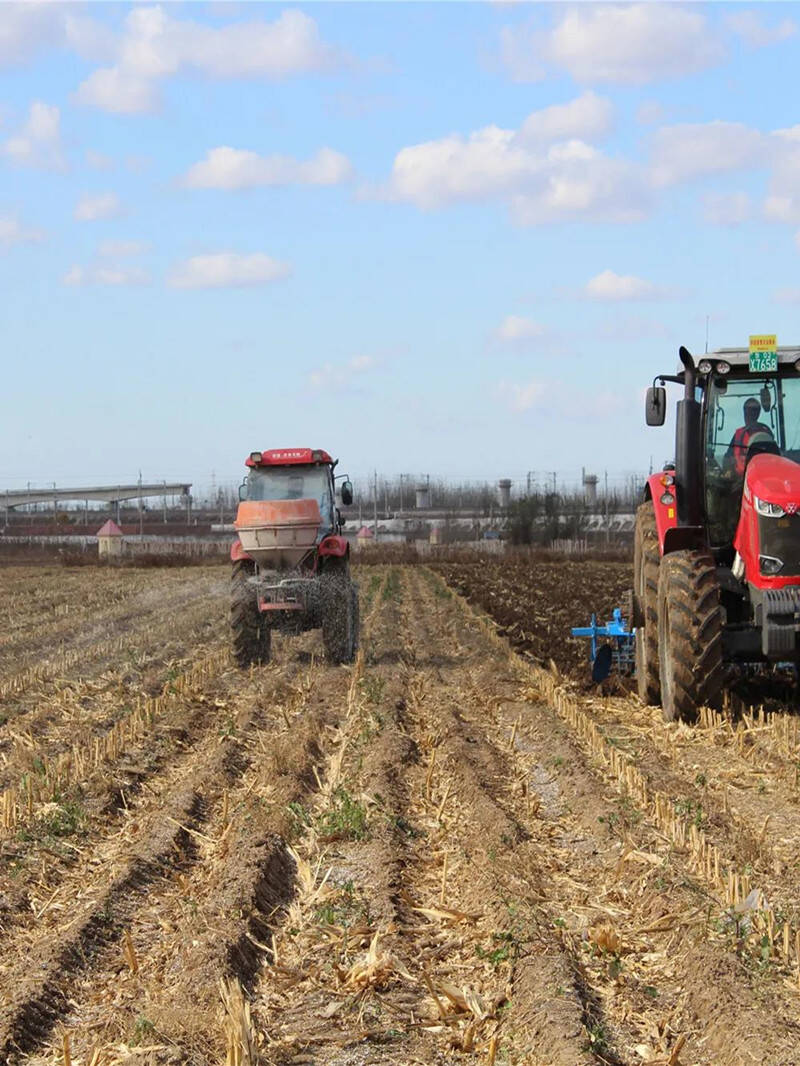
x: 779, y: 538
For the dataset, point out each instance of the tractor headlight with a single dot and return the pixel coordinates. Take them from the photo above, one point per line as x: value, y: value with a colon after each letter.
x: 256, y: 457
x: 769, y: 510
x: 722, y: 367
x: 705, y: 366
x: 667, y: 498
x: 769, y: 565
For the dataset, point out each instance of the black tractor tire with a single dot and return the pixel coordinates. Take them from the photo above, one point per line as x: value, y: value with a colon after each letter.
x: 689, y: 635
x: 340, y: 618
x: 251, y: 636
x: 646, y: 561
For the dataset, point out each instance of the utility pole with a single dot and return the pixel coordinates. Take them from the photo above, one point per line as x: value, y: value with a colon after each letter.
x: 141, y: 512
x: 164, y: 503
x: 608, y: 530
x: 401, y: 493
x: 375, y: 505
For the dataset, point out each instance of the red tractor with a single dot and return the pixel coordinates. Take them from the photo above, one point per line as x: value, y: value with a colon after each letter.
x: 291, y: 565
x: 717, y: 546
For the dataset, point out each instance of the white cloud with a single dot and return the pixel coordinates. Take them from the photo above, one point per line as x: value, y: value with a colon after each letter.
x: 121, y: 249
x: 782, y: 203
x: 341, y: 375
x: 105, y: 275
x: 629, y: 44
x: 588, y: 117
x: 12, y: 232
x: 154, y: 45
x: 91, y: 208
x: 608, y: 286
x: 749, y: 26
x: 38, y: 143
x: 689, y: 150
x: 518, y: 330
x: 118, y: 91
x: 233, y: 168
x: 726, y: 208
x: 523, y: 397
x: 554, y: 400
x: 540, y: 181
x: 227, y: 270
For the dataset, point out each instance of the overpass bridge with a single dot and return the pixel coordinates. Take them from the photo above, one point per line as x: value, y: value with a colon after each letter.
x: 12, y: 498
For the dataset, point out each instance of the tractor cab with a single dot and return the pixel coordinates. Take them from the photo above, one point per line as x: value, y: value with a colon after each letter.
x: 291, y: 564
x: 717, y: 547
x: 745, y: 414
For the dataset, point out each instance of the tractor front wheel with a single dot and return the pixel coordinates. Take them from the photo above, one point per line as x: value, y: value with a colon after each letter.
x: 252, y: 638
x: 689, y: 634
x: 646, y: 559
x: 340, y: 619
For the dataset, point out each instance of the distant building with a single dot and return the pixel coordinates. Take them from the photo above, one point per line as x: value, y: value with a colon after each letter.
x: 109, y: 540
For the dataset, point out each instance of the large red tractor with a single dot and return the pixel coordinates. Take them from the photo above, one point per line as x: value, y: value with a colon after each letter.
x: 717, y: 546
x: 291, y: 565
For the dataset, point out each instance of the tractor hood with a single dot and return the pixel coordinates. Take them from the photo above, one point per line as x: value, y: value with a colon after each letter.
x: 775, y: 480
x: 278, y: 534
x: 768, y: 535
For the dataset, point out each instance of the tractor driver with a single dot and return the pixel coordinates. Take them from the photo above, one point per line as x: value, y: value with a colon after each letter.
x: 736, y: 455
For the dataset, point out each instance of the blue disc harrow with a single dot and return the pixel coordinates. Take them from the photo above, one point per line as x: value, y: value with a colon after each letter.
x: 613, y: 646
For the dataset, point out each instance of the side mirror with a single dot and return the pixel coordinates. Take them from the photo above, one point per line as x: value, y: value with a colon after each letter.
x: 347, y: 493
x: 766, y: 398
x: 243, y: 491
x: 655, y: 408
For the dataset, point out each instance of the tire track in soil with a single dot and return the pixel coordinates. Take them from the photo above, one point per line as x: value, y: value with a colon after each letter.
x: 215, y: 910
x: 417, y: 814
x: 731, y: 1011
x: 354, y: 889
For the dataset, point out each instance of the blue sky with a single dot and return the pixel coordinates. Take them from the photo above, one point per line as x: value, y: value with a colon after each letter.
x: 447, y: 238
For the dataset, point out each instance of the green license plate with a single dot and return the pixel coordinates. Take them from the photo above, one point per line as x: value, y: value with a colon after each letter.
x: 763, y: 362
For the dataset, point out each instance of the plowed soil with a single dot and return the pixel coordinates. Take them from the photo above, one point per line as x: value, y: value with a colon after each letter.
x: 536, y: 602
x: 441, y: 854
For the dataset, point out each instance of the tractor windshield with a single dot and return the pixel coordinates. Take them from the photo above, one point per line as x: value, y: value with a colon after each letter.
x: 745, y: 413
x: 292, y: 483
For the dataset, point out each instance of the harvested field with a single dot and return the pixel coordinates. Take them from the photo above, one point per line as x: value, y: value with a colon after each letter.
x: 442, y: 854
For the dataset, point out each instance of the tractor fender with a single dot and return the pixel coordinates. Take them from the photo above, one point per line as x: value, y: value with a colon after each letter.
x: 335, y: 546
x: 666, y: 513
x: 238, y: 552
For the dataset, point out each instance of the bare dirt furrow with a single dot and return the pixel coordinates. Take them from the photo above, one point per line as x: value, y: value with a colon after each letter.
x: 209, y: 921
x: 99, y: 901
x: 749, y: 812
x: 634, y: 903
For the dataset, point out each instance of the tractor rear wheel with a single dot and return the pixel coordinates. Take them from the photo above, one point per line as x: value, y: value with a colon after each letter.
x: 646, y: 560
x: 340, y: 619
x: 252, y: 638
x: 689, y: 634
